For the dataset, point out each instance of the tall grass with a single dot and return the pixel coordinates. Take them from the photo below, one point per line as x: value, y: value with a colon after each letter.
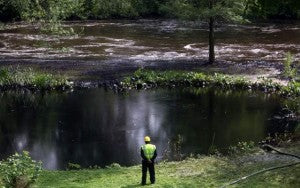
x: 203, y: 171
x: 29, y: 78
x: 289, y: 71
x: 149, y: 79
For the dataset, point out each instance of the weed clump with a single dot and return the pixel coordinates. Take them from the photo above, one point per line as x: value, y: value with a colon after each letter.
x: 144, y: 79
x: 114, y: 166
x: 288, y: 70
x: 28, y: 78
x: 73, y: 166
x: 242, y: 148
x: 19, y: 170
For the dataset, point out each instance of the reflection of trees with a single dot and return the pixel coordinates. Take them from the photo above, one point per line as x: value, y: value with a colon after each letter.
x: 231, y: 116
x: 23, y: 120
x: 97, y: 127
x: 106, y: 128
x: 145, y: 116
x: 86, y: 127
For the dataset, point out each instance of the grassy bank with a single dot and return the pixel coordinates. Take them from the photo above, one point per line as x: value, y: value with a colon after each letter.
x: 207, y: 171
x: 197, y: 171
x: 13, y: 78
x: 143, y: 79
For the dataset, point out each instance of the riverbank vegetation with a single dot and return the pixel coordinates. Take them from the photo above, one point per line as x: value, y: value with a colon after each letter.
x: 19, y: 171
x: 30, y: 79
x: 29, y: 10
x: 143, y: 79
x: 290, y: 70
x: 196, y: 171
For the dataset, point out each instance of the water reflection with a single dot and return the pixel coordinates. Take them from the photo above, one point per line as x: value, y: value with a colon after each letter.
x: 98, y: 127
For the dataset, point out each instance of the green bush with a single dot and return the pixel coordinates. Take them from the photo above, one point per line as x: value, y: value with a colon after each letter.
x: 242, y: 148
x: 288, y: 70
x: 112, y: 9
x: 179, y: 9
x: 63, y: 9
x: 272, y: 9
x: 293, y: 88
x: 31, y: 10
x: 147, y: 7
x: 4, y: 75
x: 11, y: 10
x: 19, y: 170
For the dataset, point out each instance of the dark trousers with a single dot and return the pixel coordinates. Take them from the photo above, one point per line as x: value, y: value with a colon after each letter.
x: 145, y: 166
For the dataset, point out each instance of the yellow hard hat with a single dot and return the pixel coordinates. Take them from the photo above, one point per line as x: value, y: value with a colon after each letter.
x: 147, y: 139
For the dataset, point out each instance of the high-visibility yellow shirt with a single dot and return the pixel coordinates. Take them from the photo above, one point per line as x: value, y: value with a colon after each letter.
x: 149, y: 150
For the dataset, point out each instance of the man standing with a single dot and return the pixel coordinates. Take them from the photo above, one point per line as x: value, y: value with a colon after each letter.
x: 148, y: 153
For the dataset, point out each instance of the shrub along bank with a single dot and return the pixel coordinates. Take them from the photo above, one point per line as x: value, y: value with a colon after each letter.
x: 143, y: 79
x: 19, y: 171
x: 14, y: 78
x: 28, y: 78
x: 200, y: 171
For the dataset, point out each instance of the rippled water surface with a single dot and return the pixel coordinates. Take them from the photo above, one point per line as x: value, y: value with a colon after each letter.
x: 98, y: 127
x: 143, y: 40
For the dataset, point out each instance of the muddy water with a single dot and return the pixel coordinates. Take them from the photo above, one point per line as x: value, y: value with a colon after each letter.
x: 98, y: 127
x: 144, y: 40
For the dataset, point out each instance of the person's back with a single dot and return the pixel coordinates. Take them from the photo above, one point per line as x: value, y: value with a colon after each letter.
x: 148, y: 154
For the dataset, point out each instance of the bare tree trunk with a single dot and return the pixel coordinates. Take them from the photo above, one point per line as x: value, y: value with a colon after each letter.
x: 211, y: 35
x: 211, y: 40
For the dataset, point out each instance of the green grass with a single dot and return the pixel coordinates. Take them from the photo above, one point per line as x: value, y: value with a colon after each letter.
x: 149, y: 79
x: 206, y: 171
x: 28, y: 78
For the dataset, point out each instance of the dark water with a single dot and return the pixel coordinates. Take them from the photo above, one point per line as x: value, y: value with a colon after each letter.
x: 98, y: 127
x: 151, y: 40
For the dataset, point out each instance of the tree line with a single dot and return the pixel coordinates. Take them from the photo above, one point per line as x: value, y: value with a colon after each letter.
x: 33, y: 10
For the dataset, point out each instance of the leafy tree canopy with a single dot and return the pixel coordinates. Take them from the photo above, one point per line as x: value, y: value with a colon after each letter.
x: 227, y: 10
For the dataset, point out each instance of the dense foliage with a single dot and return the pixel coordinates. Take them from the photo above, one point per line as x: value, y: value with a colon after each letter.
x: 19, y: 170
x: 272, y: 9
x: 11, y: 10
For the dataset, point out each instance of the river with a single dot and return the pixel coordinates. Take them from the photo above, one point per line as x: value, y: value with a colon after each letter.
x: 99, y: 127
x: 151, y: 40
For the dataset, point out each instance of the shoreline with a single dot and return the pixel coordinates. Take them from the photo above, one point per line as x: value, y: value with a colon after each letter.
x: 248, y: 76
x: 203, y: 171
